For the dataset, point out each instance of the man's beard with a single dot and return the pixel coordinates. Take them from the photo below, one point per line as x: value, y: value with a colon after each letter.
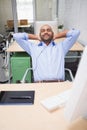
x: 46, y: 40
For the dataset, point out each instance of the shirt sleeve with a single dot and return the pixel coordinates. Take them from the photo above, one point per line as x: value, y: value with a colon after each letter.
x: 23, y: 40
x: 71, y: 38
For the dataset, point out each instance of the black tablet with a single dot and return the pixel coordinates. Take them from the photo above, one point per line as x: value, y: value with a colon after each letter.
x: 17, y: 97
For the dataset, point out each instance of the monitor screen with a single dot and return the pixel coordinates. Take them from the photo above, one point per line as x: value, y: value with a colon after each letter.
x: 53, y: 24
x: 77, y: 104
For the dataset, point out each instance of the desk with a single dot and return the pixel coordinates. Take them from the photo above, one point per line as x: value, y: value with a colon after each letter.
x: 14, y: 47
x: 24, y: 26
x: 36, y: 117
x: 76, y: 47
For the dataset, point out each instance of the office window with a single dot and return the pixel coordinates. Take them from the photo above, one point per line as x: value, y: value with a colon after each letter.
x: 25, y: 9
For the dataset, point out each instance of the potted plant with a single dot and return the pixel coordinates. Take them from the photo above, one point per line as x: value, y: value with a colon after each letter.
x: 60, y: 27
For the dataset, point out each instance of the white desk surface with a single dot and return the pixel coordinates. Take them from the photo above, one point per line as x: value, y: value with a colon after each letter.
x: 24, y: 26
x: 36, y: 117
x: 14, y: 47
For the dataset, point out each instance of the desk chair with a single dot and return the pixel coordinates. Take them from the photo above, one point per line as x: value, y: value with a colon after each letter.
x: 23, y: 22
x: 72, y: 60
x: 68, y: 75
x: 10, y: 25
x: 4, y: 44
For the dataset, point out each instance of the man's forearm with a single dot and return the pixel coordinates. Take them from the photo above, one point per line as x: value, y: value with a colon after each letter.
x: 33, y: 37
x: 61, y: 34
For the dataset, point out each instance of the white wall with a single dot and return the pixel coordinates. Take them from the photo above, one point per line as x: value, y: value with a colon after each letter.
x: 43, y: 10
x: 61, y: 11
x: 75, y: 16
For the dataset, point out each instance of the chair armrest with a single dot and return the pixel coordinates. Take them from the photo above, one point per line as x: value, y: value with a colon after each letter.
x: 25, y: 74
x: 70, y: 73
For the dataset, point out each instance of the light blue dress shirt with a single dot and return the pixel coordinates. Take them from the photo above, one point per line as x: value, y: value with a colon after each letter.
x: 47, y: 61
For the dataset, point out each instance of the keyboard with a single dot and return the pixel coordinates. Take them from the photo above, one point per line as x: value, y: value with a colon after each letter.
x: 57, y: 101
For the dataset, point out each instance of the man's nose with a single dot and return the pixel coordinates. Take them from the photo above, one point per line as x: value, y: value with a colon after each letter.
x: 45, y: 31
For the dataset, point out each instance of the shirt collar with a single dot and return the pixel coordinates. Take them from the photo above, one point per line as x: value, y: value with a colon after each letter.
x: 42, y: 43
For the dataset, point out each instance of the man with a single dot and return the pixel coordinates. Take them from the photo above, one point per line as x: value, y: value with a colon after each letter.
x: 47, y: 56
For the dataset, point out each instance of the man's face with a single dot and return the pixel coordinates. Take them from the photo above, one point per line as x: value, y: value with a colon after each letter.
x: 46, y: 33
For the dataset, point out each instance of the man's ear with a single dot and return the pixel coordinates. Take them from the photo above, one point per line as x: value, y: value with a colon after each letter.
x: 53, y: 35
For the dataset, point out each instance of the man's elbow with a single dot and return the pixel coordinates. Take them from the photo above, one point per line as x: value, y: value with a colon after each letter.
x: 78, y: 32
x: 16, y: 36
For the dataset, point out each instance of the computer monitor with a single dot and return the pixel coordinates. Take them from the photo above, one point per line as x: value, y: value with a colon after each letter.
x: 53, y: 24
x: 77, y: 104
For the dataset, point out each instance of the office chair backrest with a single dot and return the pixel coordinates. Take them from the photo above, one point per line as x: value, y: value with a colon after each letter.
x: 10, y: 23
x: 68, y: 75
x: 23, y: 22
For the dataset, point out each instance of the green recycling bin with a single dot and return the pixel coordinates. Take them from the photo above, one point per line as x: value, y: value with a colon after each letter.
x: 20, y: 61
